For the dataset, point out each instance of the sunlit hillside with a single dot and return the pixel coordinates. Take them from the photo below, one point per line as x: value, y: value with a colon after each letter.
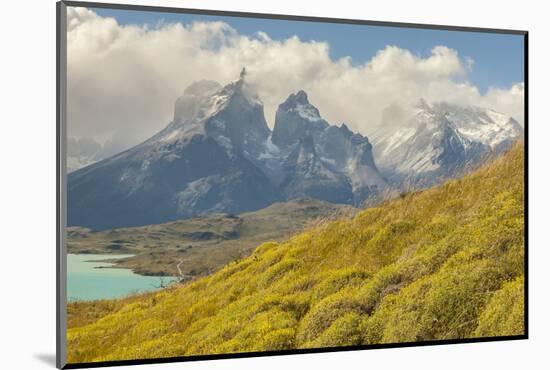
x: 443, y: 263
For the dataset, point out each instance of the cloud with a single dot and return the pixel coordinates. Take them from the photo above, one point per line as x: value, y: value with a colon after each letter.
x: 123, y: 79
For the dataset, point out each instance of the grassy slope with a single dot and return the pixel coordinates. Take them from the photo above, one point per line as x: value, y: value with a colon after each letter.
x: 443, y: 263
x: 206, y: 243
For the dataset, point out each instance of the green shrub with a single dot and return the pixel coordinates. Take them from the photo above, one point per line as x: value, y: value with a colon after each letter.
x: 323, y: 314
x: 504, y: 314
x: 344, y: 331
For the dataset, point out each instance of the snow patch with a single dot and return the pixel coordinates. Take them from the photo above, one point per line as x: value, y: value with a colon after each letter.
x: 193, y: 192
x: 400, y: 137
x: 224, y: 141
x: 219, y: 124
x: 271, y: 148
x: 330, y: 161
x: 307, y: 112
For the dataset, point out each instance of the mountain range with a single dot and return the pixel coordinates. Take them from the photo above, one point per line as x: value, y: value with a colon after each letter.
x: 439, y: 141
x: 218, y: 155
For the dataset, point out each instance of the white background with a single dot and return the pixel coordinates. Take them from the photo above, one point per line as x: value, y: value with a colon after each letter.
x: 27, y: 155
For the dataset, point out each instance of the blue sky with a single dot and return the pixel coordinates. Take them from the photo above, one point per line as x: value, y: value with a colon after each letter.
x: 499, y: 59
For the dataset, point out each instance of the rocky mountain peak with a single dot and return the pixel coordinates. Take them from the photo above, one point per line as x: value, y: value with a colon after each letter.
x: 299, y: 103
x: 296, y: 118
x: 232, y: 115
x: 299, y: 97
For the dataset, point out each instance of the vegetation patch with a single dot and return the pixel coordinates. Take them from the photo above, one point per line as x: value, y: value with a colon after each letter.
x: 444, y: 263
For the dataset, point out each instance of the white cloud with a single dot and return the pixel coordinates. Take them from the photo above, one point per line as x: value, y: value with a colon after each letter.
x: 123, y: 80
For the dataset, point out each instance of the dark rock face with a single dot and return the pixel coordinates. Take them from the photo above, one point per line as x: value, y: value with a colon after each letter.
x: 308, y: 176
x: 241, y: 120
x: 320, y: 160
x: 454, y: 154
x: 192, y: 178
x: 295, y: 119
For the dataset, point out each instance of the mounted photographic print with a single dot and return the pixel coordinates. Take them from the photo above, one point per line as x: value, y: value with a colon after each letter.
x: 237, y: 184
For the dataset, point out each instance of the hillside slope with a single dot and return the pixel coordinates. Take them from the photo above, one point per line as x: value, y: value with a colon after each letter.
x: 443, y: 263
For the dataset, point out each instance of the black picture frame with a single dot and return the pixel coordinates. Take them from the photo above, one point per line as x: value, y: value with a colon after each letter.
x: 61, y: 143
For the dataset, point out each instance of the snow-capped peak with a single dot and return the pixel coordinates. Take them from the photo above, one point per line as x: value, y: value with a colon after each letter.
x: 201, y: 110
x: 483, y: 125
x: 299, y: 104
x: 440, y: 138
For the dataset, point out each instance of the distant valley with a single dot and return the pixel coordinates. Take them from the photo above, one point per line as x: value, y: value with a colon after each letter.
x: 203, y: 244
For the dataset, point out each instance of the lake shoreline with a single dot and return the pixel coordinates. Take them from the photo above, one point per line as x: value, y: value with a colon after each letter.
x: 97, y: 276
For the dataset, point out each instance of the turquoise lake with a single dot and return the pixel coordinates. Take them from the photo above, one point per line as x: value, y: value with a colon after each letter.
x: 85, y: 281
